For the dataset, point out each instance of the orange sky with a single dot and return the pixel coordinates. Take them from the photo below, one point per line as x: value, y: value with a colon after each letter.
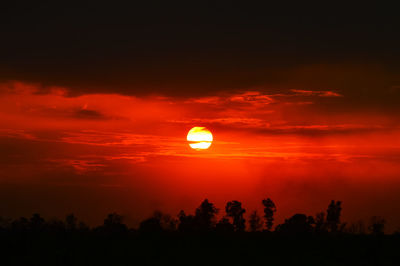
x: 95, y: 153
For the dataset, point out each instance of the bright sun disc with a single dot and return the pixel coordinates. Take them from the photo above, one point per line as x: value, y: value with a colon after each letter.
x: 199, y: 138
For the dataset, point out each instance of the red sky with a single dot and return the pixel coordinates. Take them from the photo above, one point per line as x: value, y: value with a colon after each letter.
x: 93, y: 153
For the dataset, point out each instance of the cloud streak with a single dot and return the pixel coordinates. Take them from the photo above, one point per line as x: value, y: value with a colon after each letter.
x: 139, y: 129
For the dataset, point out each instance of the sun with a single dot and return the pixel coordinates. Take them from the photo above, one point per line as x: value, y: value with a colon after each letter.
x: 199, y: 138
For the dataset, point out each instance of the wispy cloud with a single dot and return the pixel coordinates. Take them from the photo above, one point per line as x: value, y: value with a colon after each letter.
x: 316, y: 93
x: 17, y: 133
x: 138, y: 130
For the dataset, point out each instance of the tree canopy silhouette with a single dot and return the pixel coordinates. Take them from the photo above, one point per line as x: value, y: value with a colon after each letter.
x: 333, y: 215
x: 113, y: 224
x: 234, y: 210
x: 297, y: 224
x: 163, y: 239
x: 224, y: 226
x: 205, y: 215
x: 269, y: 210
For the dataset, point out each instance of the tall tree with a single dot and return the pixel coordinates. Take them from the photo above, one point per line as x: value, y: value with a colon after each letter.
x: 234, y: 210
x: 205, y: 215
x: 333, y: 215
x: 269, y: 210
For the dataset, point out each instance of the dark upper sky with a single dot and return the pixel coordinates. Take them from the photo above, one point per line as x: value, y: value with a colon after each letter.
x: 199, y: 47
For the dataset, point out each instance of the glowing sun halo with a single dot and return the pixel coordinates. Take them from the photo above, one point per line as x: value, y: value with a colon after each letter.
x: 199, y: 138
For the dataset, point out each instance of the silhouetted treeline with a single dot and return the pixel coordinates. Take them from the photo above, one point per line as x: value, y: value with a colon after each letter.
x: 204, y: 220
x: 238, y: 237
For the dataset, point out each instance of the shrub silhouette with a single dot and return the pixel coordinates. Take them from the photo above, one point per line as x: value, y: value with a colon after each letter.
x: 187, y: 223
x: 356, y: 228
x: 151, y: 225
x: 320, y: 223
x: 113, y: 224
x: 377, y: 225
x: 224, y: 226
x: 158, y: 222
x: 255, y: 222
x: 297, y: 224
x: 71, y: 222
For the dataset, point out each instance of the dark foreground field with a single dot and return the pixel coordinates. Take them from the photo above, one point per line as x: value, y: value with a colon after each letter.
x: 174, y: 248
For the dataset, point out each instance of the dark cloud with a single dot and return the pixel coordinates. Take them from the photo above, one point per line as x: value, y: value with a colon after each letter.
x: 191, y: 48
x: 89, y: 114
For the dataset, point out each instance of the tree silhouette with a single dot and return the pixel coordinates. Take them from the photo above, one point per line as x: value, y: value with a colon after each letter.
x: 71, y: 222
x: 151, y: 225
x: 37, y: 241
x: 356, y: 228
x: 114, y: 223
x: 224, y: 226
x: 83, y: 227
x: 377, y: 225
x: 20, y: 225
x: 333, y: 215
x: 187, y: 223
x: 269, y: 210
x: 205, y: 215
x: 234, y: 210
x: 297, y: 224
x: 36, y: 223
x: 112, y: 219
x: 320, y: 223
x: 4, y: 222
x: 158, y: 222
x: 167, y: 222
x: 255, y: 222
x: 55, y: 225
